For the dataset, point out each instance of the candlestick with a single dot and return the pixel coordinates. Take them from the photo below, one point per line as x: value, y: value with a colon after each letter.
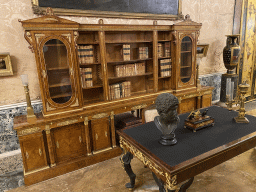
x: 30, y: 112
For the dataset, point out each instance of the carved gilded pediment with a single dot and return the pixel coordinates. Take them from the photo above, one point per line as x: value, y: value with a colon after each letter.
x: 187, y: 21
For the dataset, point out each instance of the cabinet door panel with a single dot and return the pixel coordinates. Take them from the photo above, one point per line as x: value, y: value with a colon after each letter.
x: 69, y: 142
x: 207, y: 100
x: 187, y: 105
x: 33, y: 152
x: 100, y: 133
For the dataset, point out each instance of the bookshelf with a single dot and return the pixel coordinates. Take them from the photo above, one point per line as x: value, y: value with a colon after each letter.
x: 88, y: 73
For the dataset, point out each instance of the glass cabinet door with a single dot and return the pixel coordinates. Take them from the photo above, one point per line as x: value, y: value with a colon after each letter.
x: 186, y: 59
x: 57, y: 69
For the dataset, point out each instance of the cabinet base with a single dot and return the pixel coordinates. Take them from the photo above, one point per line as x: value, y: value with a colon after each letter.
x: 59, y: 169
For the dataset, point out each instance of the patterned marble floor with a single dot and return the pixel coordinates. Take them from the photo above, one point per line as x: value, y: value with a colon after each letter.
x: 235, y: 175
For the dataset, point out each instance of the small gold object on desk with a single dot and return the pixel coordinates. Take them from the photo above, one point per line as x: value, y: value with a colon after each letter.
x: 197, y: 120
x: 243, y: 88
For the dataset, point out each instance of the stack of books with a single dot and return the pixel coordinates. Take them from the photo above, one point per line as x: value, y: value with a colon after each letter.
x: 143, y: 52
x: 120, y: 90
x: 126, y: 52
x: 85, y: 54
x: 165, y: 67
x: 130, y: 69
x: 86, y: 77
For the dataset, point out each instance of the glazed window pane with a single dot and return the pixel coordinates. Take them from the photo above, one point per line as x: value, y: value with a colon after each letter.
x: 56, y: 62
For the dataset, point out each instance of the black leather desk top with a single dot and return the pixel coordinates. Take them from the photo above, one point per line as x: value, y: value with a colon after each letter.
x: 192, y: 144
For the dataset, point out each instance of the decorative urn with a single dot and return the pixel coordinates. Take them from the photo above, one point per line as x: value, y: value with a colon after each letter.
x: 231, y: 53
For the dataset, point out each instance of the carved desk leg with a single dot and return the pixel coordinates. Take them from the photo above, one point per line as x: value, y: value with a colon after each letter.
x: 126, y: 160
x: 160, y: 184
x: 186, y: 185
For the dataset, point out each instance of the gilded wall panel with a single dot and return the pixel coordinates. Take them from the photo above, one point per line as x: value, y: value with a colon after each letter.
x: 247, y: 31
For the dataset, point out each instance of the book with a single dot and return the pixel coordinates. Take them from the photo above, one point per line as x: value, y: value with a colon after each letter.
x: 79, y: 53
x: 143, y: 52
x: 160, y: 50
x: 89, y: 54
x: 163, y: 67
x: 86, y: 77
x: 140, y: 68
x: 167, y: 49
x: 85, y: 54
x: 120, y: 90
x: 126, y: 52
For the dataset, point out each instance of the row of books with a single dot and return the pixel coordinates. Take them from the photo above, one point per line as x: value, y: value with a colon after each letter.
x: 120, y: 90
x: 85, y: 54
x: 86, y: 77
x: 126, y: 51
x: 165, y: 67
x: 164, y: 49
x: 130, y: 69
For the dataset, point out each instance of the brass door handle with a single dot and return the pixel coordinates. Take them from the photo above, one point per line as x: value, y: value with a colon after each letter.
x: 27, y: 155
x: 40, y: 152
x: 80, y: 139
x: 96, y: 136
x: 106, y: 134
x: 57, y: 144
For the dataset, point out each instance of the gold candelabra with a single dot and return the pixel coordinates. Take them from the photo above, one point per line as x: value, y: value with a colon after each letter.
x: 243, y: 88
x: 30, y: 112
x: 230, y: 102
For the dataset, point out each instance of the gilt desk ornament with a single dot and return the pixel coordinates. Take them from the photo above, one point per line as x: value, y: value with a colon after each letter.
x: 197, y: 120
x: 243, y: 88
x: 168, y: 119
x: 30, y: 112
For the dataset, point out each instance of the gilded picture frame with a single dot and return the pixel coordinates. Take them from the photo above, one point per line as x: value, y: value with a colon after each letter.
x: 5, y: 65
x: 40, y: 10
x: 202, y: 50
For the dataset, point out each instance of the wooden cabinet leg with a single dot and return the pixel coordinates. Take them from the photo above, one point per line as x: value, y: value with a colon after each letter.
x: 50, y: 146
x: 126, y: 160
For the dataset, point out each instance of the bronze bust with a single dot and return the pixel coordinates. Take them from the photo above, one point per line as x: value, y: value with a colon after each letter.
x: 167, y: 121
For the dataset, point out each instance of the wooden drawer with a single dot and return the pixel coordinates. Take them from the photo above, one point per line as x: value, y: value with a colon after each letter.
x: 187, y: 105
x: 69, y: 142
x: 100, y: 134
x: 33, y: 152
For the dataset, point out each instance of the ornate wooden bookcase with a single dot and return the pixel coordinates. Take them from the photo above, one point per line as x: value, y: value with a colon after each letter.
x: 76, y: 127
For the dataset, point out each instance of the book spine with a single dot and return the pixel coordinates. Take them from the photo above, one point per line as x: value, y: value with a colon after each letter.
x: 126, y: 52
x: 141, y: 53
x: 167, y: 48
x: 90, y: 53
x: 160, y: 50
x: 146, y: 52
x: 79, y: 53
x: 88, y: 77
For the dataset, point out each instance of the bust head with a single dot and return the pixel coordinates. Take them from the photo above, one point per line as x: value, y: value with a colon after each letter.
x: 166, y: 106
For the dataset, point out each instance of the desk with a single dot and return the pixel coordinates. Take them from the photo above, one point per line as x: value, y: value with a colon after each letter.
x: 193, y: 154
